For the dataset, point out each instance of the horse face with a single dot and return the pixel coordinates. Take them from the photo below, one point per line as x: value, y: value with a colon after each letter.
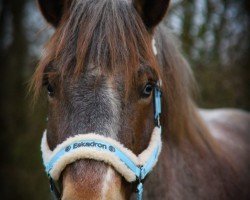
x: 98, y: 104
x: 112, y: 92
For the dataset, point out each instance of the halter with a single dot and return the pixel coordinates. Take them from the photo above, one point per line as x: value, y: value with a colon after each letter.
x: 97, y: 147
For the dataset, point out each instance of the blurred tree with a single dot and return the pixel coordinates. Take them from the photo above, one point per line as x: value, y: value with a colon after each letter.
x: 21, y: 169
x: 215, y: 37
x: 245, y: 55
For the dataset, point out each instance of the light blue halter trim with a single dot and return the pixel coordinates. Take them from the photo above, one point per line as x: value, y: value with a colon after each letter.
x: 103, y: 146
x: 139, y: 171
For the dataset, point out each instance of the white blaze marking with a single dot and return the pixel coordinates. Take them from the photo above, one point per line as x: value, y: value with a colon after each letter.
x: 106, y: 182
x: 114, y: 103
x: 154, y: 46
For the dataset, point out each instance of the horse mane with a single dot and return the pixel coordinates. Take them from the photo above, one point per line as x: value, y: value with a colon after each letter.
x: 99, y: 32
x: 181, y: 119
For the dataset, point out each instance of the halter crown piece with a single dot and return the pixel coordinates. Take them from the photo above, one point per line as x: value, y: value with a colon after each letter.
x: 97, y: 147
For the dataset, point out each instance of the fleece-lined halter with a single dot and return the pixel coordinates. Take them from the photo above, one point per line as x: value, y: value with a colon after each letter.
x: 97, y: 147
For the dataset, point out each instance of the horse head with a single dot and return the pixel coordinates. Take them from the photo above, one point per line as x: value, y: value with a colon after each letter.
x: 100, y: 70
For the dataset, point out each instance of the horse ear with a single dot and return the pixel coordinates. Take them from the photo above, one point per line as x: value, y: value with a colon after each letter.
x: 52, y: 10
x: 151, y: 11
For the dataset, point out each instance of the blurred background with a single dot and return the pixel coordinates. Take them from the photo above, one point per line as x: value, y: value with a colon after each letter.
x: 215, y: 38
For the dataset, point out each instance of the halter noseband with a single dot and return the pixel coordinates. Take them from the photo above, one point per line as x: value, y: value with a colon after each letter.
x: 97, y: 147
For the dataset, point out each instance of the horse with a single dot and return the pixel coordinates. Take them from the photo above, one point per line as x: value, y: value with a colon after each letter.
x: 100, y: 70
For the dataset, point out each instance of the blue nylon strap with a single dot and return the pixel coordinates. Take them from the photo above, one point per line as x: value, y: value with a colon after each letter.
x: 139, y: 171
x: 139, y: 191
x: 157, y: 105
x: 146, y: 168
x: 97, y: 145
x: 104, y: 146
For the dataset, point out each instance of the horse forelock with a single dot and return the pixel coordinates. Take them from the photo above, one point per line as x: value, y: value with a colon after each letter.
x: 106, y: 34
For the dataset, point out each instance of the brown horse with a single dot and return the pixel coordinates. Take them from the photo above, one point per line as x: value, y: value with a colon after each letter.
x: 99, y: 69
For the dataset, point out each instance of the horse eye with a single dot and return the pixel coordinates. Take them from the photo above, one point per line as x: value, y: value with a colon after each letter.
x: 50, y: 90
x: 147, y: 90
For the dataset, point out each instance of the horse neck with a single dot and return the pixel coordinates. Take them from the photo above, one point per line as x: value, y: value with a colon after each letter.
x: 189, y: 156
x: 185, y: 171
